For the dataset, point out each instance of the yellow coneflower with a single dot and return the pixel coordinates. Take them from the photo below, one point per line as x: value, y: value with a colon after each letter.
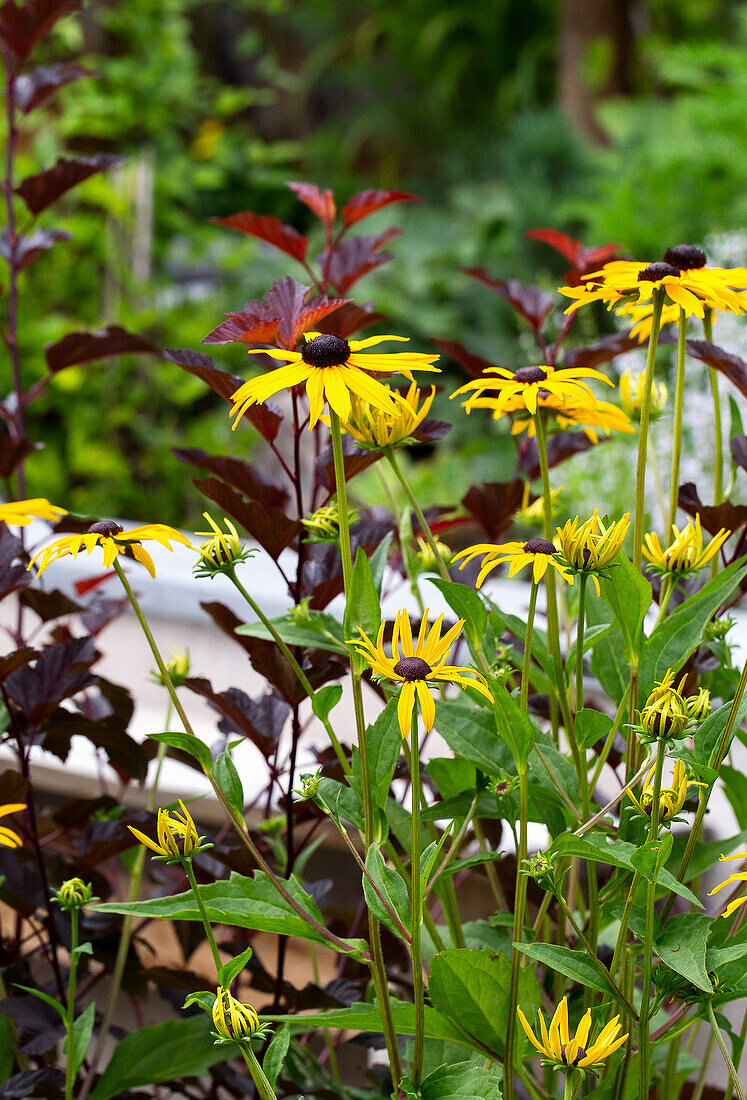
x: 9, y: 838
x: 665, y: 713
x: 415, y: 666
x: 739, y: 876
x: 528, y: 384
x: 539, y: 553
x: 177, y: 834
x: 231, y: 1018
x: 685, y: 554
x: 591, y: 546
x: 571, y: 1052
x: 19, y: 513
x: 671, y: 799
x: 632, y: 390
x: 374, y: 428
x: 568, y: 414
x: 333, y: 370
x: 113, y: 540
x: 536, y: 509
x: 699, y: 705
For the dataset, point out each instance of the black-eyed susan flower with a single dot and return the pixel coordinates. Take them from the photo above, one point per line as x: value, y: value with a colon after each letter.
x: 591, y: 546
x: 739, y: 876
x: 231, y: 1018
x: 9, y: 838
x: 177, y: 836
x: 632, y: 387
x: 565, y: 414
x: 113, y: 540
x: 222, y: 550
x: 333, y: 369
x: 528, y: 385
x: 685, y: 554
x: 534, y: 511
x: 539, y: 553
x: 415, y: 666
x: 664, y: 714
x: 571, y: 1052
x: 671, y: 799
x: 19, y: 513
x: 375, y: 428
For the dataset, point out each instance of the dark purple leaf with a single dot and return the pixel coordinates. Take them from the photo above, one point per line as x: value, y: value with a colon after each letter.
x: 40, y: 191
x: 60, y: 671
x: 29, y: 246
x: 102, y: 840
x: 430, y: 430
x: 532, y: 303
x: 354, y: 257
x: 269, y: 229
x: 560, y: 446
x: 355, y: 459
x: 248, y: 479
x: 712, y: 519
x: 246, y: 327
x: 89, y: 347
x: 265, y: 656
x: 10, y: 662
x: 350, y: 318
x: 22, y: 26
x: 583, y: 260
x: 13, y: 572
x: 46, y: 1082
x: 321, y: 202
x: 205, y: 368
x: 739, y: 450
x: 321, y: 577
x: 602, y: 351
x: 367, y: 202
x: 731, y: 366
x: 13, y: 786
x: 12, y: 453
x: 48, y: 605
x: 494, y: 505
x: 310, y: 317
x: 261, y: 720
x: 474, y: 365
x: 271, y: 528
x: 36, y: 87
x: 101, y: 611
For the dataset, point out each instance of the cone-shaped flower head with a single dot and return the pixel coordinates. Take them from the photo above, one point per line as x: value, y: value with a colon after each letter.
x: 231, y: 1018
x: 739, y: 876
x: 374, y: 428
x: 575, y: 1051
x: 526, y: 386
x: 414, y: 666
x: 19, y: 513
x: 685, y: 554
x: 591, y: 546
x: 333, y: 369
x: 177, y: 835
x: 539, y: 553
x: 113, y: 540
x: 665, y: 711
x: 8, y: 837
x: 671, y: 799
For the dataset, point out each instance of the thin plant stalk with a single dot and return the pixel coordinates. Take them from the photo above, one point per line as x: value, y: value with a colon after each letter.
x: 658, y: 302
x: 416, y: 906
x: 679, y: 394
x: 718, y: 447
x: 70, y: 1008
x: 742, y: 1036
x: 264, y: 1088
x: 700, y: 1084
x: 725, y: 1053
x: 391, y: 457
x: 644, y: 1061
x: 189, y: 872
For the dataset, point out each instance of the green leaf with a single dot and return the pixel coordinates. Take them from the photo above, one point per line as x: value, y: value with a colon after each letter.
x: 628, y: 596
x: 591, y: 726
x: 721, y: 956
x: 620, y: 853
x: 514, y: 727
x: 230, y: 970
x: 51, y: 1001
x: 187, y: 743
x: 608, y: 661
x: 649, y: 858
x: 378, y: 560
x: 471, y: 987
x: 467, y: 605
x: 735, y: 784
x: 674, y: 639
x: 682, y: 946
x: 276, y: 1052
x: 429, y: 857
x: 366, y: 1017
x: 470, y: 733
x: 82, y: 949
x: 82, y: 1032
x: 228, y: 780
x: 325, y: 699
x: 514, y: 625
x: 708, y: 734
x: 7, y: 1049
x: 362, y: 609
x: 179, y: 1048
x: 392, y: 887
x: 317, y: 631
x: 240, y: 902
x: 575, y: 965
x: 384, y: 746
x: 463, y: 1081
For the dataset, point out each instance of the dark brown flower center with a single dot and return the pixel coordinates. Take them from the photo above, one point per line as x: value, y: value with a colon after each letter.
x: 326, y: 351
x: 581, y: 1054
x: 654, y: 272
x: 413, y: 668
x: 105, y: 527
x: 530, y: 374
x: 539, y: 546
x: 686, y: 257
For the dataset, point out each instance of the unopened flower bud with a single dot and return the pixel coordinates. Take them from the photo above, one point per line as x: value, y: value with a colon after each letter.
x: 309, y: 787
x: 426, y: 560
x: 665, y: 713
x: 632, y: 390
x: 75, y: 893
x: 699, y: 705
x: 177, y: 668
x: 540, y: 867
x: 231, y: 1018
x: 222, y: 550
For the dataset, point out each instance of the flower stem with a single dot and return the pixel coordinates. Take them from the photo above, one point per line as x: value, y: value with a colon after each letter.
x: 679, y: 393
x: 416, y: 906
x: 391, y: 458
x: 644, y: 1060
x: 591, y: 952
x: 189, y: 872
x: 640, y: 483
x: 742, y: 1036
x: 70, y: 1014
x: 582, y: 579
x: 722, y: 1047
x: 264, y: 1088
x: 526, y: 663
x: 718, y: 461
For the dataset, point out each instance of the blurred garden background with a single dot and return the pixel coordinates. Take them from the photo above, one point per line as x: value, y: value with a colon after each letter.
x: 615, y: 121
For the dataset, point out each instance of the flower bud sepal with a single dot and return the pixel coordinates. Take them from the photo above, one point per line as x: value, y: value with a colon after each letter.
x: 74, y: 894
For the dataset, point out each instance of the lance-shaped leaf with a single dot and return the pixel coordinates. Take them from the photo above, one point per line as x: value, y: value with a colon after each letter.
x: 205, y: 368
x: 244, y: 476
x: 62, y: 670
x: 602, y: 351
x: 628, y: 595
x: 89, y: 347
x: 23, y: 25
x: 36, y: 87
x: 681, y: 945
x: 13, y: 572
x: 321, y: 202
x: 738, y: 447
x: 269, y: 229
x: 474, y: 365
x: 354, y: 257
x: 363, y: 203
x: 349, y: 318
x: 582, y: 259
x: 731, y: 366
x: 13, y: 452
x: 530, y: 302
x: 260, y: 720
x: 246, y: 327
x: 40, y: 191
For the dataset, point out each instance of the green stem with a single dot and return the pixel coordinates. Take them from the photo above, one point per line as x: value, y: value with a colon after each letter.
x: 620, y: 943
x: 416, y: 905
x: 705, y: 1063
x: 189, y: 872
x: 526, y: 663
x: 297, y: 670
x: 640, y: 484
x: 718, y: 459
x: 520, y: 903
x: 679, y: 393
x: 70, y: 1014
x: 593, y: 957
x: 264, y: 1088
x: 742, y: 1036
x: 607, y: 748
x: 644, y: 1060
x: 582, y: 580
x: 453, y: 847
x: 569, y: 1090
x: 722, y: 1047
x: 391, y: 458
x: 378, y: 971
